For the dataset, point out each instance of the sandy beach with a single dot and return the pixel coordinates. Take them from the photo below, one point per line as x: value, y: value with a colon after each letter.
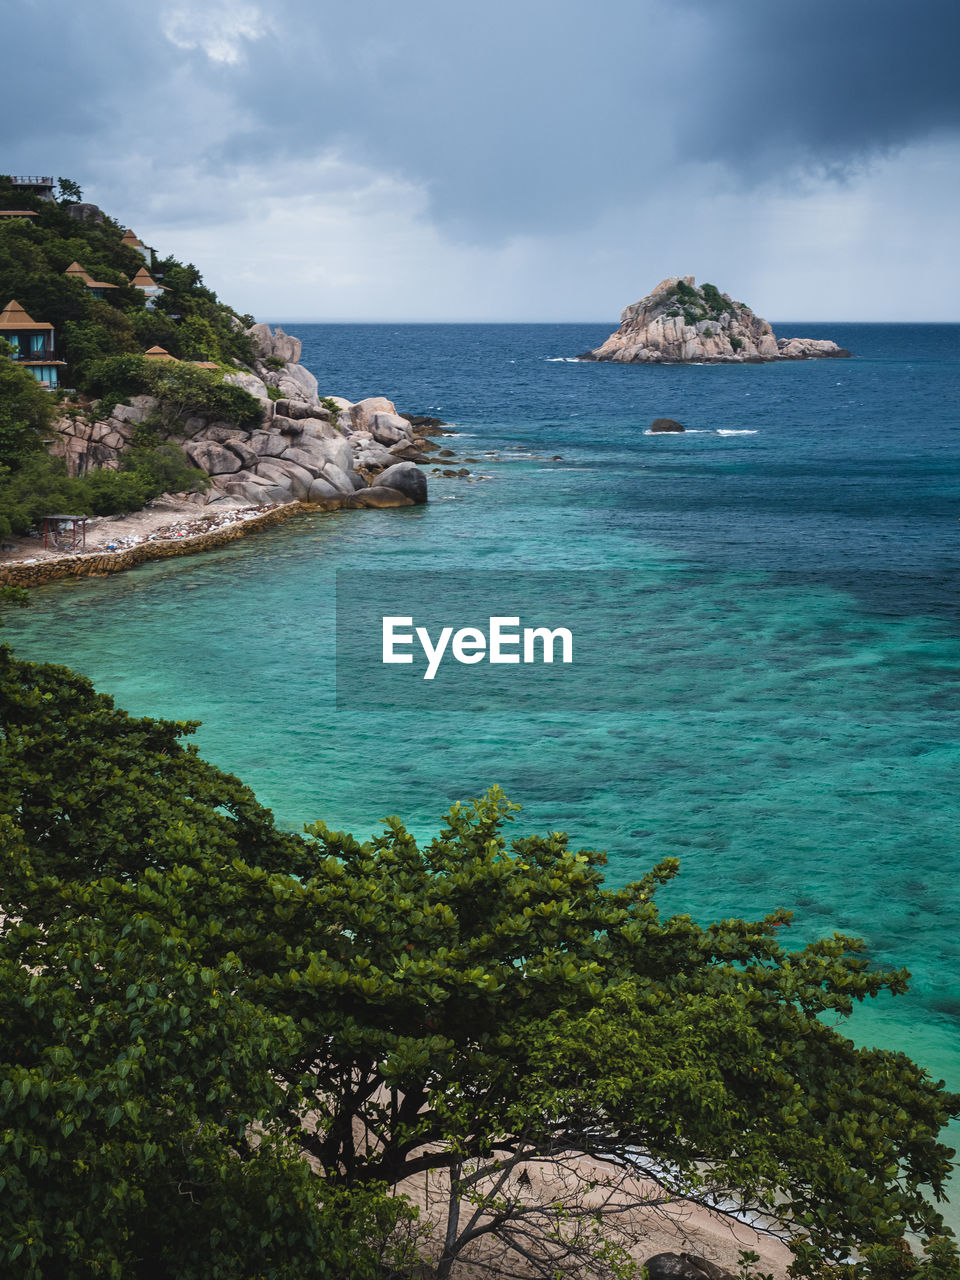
x: 638, y: 1217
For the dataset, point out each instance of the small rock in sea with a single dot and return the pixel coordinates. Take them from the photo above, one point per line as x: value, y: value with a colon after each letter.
x: 666, y: 424
x: 446, y: 453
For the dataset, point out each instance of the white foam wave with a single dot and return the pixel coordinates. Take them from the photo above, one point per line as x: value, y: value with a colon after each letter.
x: 728, y: 432
x: 565, y: 360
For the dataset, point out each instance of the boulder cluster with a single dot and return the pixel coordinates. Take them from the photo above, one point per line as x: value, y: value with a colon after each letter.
x: 329, y: 451
x: 680, y: 324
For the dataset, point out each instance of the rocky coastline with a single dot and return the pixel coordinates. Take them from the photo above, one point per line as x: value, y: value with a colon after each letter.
x: 677, y: 323
x: 326, y: 451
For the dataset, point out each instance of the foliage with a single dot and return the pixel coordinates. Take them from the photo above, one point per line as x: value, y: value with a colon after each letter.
x: 108, y: 493
x: 146, y: 800
x: 41, y: 486
x: 26, y: 411
x: 183, y: 390
x: 69, y: 191
x: 461, y: 1011
x: 332, y: 408
x: 130, y: 1079
x: 164, y: 469
x: 705, y: 303
x: 714, y: 300
x: 189, y: 320
x: 735, y: 342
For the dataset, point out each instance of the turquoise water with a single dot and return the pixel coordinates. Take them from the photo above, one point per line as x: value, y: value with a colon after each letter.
x: 796, y: 638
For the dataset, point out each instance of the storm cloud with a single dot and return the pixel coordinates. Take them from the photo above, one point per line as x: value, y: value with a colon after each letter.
x: 503, y: 133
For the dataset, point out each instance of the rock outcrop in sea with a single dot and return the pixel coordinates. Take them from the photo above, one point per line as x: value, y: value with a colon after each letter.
x: 680, y: 324
x: 328, y: 451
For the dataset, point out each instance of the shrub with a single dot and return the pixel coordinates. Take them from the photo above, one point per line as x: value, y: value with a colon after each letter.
x: 715, y: 299
x: 40, y: 486
x: 165, y: 469
x: 332, y: 408
x: 25, y: 412
x: 183, y: 390
x: 108, y: 493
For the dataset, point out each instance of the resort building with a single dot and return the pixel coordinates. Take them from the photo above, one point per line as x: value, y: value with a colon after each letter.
x: 96, y: 287
x: 145, y: 282
x: 161, y: 353
x: 31, y: 344
x: 42, y: 187
x: 131, y: 241
x: 19, y: 213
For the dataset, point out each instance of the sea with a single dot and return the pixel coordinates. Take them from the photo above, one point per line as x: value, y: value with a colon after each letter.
x: 778, y: 706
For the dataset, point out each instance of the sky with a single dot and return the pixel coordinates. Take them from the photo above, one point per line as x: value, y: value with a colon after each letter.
x: 530, y: 160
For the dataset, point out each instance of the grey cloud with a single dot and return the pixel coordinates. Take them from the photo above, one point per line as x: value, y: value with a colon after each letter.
x: 516, y: 119
x: 822, y: 83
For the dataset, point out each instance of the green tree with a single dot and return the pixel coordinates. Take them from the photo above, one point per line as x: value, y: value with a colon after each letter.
x: 26, y: 411
x: 138, y: 1114
x: 69, y: 191
x: 468, y: 1010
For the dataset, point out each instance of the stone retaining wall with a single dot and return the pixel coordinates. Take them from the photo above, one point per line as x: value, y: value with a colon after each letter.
x: 96, y: 563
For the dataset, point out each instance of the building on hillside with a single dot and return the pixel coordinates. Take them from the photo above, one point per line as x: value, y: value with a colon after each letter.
x: 31, y: 344
x: 131, y: 241
x: 96, y: 287
x: 19, y: 213
x: 42, y: 187
x: 145, y: 282
x: 161, y: 353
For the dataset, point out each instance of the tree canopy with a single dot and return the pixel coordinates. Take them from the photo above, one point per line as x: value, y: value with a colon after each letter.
x: 212, y: 1020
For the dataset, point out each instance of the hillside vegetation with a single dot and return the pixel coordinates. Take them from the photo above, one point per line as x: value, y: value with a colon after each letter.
x: 102, y: 341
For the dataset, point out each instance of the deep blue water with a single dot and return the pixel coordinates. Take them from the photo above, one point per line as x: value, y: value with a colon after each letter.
x: 797, y: 628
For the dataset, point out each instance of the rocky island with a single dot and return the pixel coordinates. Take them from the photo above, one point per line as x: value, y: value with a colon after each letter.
x: 680, y: 324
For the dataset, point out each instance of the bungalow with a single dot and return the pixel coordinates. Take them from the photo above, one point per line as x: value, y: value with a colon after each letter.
x: 145, y: 282
x: 161, y: 353
x: 96, y: 287
x: 19, y: 213
x: 31, y: 343
x: 131, y: 241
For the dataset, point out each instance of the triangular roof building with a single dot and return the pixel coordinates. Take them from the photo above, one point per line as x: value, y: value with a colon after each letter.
x: 14, y: 319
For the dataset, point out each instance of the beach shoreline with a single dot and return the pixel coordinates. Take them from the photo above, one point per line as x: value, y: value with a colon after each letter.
x: 121, y: 543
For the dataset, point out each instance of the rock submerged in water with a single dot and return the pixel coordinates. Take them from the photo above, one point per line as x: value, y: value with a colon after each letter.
x: 680, y: 324
x: 665, y: 424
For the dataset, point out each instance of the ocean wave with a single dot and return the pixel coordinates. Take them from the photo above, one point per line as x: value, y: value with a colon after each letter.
x: 724, y: 431
x: 565, y: 360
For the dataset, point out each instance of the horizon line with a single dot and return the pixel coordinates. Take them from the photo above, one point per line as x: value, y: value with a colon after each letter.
x: 616, y: 323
